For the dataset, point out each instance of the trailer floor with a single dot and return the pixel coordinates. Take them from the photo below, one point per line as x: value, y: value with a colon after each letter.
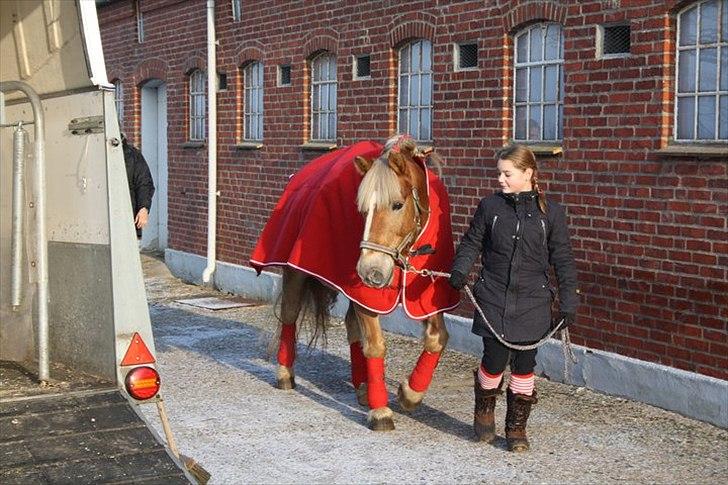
x: 75, y: 431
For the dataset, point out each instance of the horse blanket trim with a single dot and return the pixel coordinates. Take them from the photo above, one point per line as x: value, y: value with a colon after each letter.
x: 316, y: 228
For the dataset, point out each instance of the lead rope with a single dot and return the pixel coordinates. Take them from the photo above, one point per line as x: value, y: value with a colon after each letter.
x: 568, y: 352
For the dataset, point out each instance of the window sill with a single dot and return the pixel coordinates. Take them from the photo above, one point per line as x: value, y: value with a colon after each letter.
x: 544, y: 150
x: 194, y: 144
x: 318, y: 146
x: 249, y: 145
x: 694, y: 150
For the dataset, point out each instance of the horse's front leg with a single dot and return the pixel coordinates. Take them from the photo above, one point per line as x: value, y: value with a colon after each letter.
x: 292, y: 294
x: 380, y: 416
x: 411, y: 392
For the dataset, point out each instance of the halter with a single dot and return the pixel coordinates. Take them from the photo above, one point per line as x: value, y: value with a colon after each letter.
x: 397, y: 253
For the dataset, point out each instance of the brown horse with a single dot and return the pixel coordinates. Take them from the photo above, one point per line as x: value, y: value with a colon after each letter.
x: 393, y: 198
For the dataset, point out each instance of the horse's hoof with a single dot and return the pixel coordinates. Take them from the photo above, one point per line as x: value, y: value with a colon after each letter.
x: 408, y: 398
x: 361, y: 394
x: 286, y: 378
x: 380, y: 419
x: 286, y: 384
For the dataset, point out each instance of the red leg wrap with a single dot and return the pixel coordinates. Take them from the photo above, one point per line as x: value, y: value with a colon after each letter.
x: 287, y: 346
x: 376, y: 388
x: 421, y: 376
x: 358, y: 365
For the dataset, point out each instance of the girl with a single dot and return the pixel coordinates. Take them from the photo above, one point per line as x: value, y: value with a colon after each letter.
x: 519, y: 236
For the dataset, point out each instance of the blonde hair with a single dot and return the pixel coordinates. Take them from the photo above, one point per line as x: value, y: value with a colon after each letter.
x: 523, y: 159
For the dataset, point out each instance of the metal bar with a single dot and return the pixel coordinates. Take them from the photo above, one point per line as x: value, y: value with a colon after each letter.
x: 41, y: 263
x: 16, y: 243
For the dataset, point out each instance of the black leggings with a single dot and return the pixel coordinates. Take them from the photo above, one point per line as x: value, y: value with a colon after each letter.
x: 496, y: 356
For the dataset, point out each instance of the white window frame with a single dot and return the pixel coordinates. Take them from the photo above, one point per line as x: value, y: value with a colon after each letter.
x: 253, y: 101
x: 198, y: 105
x: 322, y: 131
x: 139, y: 21
x: 718, y: 94
x: 237, y: 9
x: 119, y: 101
x: 530, y: 67
x: 407, y: 108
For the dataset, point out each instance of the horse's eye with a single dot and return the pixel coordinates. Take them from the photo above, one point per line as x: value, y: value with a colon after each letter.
x: 397, y: 206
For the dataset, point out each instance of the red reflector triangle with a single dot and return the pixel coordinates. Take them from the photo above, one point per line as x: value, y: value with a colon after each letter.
x: 137, y: 353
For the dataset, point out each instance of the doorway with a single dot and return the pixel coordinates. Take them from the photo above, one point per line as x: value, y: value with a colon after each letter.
x: 154, y: 149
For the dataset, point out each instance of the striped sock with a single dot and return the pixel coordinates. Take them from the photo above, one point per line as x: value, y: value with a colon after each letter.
x: 522, y: 384
x: 488, y: 381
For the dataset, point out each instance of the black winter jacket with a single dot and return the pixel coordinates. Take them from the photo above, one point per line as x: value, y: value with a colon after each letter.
x: 518, y: 244
x: 141, y: 184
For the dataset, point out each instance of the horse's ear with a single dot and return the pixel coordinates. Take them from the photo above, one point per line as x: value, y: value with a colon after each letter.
x: 397, y: 162
x: 362, y: 164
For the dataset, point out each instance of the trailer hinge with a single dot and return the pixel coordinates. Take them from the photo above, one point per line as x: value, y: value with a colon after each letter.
x: 87, y: 125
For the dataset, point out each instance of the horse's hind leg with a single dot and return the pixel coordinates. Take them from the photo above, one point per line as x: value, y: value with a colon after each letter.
x: 358, y: 361
x: 380, y: 416
x: 291, y: 301
x: 411, y: 392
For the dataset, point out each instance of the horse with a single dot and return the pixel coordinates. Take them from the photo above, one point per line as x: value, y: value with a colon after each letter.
x: 394, y: 202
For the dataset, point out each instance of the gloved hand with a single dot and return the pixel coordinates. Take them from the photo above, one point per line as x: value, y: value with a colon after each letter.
x: 567, y: 317
x: 457, y: 280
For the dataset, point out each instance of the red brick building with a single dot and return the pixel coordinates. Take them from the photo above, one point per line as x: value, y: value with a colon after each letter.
x: 646, y: 187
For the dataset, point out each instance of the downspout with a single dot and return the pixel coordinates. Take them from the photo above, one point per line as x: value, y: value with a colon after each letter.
x: 211, y: 144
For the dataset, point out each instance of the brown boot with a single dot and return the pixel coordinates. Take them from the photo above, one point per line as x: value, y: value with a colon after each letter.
x: 519, y: 408
x: 484, y: 417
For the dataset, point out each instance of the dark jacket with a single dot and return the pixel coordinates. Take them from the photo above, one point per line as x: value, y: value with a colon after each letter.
x: 141, y: 184
x: 518, y: 244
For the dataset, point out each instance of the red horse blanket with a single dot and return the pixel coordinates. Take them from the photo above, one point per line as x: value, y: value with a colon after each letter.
x: 316, y: 228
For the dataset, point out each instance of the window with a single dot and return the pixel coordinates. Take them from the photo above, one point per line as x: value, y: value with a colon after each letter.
x: 197, y: 105
x: 323, y: 98
x: 284, y: 75
x: 237, y: 8
x: 539, y: 84
x: 701, y: 101
x: 362, y: 67
x: 415, y: 90
x: 613, y: 40
x: 119, y: 101
x: 253, y: 102
x: 139, y: 21
x: 466, y: 57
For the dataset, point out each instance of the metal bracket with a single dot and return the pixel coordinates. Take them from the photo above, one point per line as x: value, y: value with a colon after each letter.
x: 87, y: 125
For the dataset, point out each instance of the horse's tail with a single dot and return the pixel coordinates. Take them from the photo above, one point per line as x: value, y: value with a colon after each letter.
x: 318, y: 300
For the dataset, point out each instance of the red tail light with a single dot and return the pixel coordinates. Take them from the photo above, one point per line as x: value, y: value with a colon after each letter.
x: 142, y: 382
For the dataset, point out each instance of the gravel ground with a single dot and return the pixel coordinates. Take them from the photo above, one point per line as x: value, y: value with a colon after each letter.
x: 218, y: 384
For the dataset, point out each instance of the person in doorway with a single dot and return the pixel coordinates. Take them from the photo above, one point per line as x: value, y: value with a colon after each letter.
x: 519, y: 236
x: 141, y: 184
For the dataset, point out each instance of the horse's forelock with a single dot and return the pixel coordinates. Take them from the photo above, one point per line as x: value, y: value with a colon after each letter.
x: 380, y: 183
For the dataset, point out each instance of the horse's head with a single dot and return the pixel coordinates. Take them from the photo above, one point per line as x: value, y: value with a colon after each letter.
x: 393, y: 198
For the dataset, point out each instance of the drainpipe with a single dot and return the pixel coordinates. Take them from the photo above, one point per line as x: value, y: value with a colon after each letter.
x: 41, y: 263
x: 211, y: 144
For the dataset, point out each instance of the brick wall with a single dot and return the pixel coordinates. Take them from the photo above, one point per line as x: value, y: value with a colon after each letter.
x: 649, y: 231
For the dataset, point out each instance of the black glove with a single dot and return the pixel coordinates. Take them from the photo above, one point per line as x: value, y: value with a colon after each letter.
x: 567, y: 317
x: 457, y: 280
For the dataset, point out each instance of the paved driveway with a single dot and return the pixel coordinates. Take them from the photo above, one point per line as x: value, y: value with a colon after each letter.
x: 219, y: 388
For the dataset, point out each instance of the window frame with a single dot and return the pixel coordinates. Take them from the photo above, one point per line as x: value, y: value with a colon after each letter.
x: 119, y: 100
x: 719, y: 45
x: 236, y: 7
x: 315, y: 132
x: 558, y: 102
x: 197, y: 121
x: 139, y: 22
x: 254, y: 112
x: 419, y: 75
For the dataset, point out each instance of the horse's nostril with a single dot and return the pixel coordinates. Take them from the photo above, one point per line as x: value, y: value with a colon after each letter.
x: 375, y: 277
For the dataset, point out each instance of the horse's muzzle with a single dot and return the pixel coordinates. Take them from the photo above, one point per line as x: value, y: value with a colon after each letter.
x: 377, y: 271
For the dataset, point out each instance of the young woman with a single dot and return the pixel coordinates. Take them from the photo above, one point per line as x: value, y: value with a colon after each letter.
x: 519, y: 236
